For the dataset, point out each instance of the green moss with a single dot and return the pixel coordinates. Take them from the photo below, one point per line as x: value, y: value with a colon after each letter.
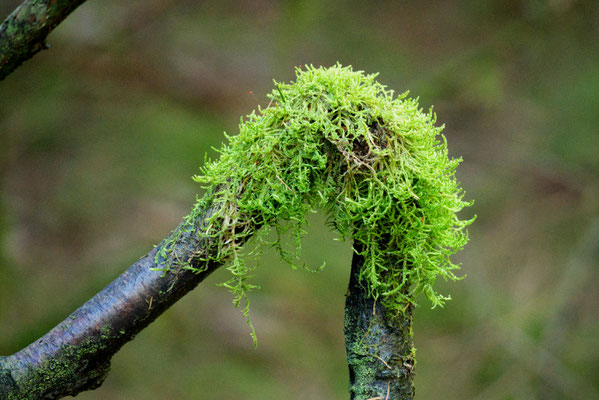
x: 379, y: 355
x: 77, y: 368
x: 339, y: 141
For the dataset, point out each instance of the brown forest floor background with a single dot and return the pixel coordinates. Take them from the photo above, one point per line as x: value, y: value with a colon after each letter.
x: 101, y: 134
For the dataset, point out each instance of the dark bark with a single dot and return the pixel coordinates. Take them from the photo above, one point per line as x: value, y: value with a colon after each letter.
x: 75, y: 355
x: 380, y: 349
x: 23, y: 33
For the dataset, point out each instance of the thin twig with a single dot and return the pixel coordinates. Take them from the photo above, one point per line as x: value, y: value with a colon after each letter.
x: 383, y: 361
x: 283, y: 182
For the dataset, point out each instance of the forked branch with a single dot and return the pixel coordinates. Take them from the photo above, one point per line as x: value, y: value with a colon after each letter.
x: 336, y: 140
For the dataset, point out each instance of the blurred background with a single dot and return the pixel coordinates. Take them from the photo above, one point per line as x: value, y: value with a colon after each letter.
x: 102, y: 133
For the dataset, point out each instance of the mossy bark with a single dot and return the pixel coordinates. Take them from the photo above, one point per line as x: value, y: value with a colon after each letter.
x: 379, y: 344
x: 23, y: 33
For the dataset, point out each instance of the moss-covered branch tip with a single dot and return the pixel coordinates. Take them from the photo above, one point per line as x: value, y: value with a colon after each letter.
x: 337, y: 140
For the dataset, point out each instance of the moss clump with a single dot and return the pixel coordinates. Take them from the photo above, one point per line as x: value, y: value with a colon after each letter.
x: 337, y: 140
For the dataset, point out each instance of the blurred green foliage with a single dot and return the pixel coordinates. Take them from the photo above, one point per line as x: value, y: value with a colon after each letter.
x: 101, y: 134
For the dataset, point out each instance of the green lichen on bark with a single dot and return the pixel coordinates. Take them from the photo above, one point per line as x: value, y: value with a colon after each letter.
x: 78, y: 367
x: 23, y: 33
x: 337, y: 140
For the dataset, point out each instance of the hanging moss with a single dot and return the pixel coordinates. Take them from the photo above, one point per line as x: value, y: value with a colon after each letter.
x: 337, y: 140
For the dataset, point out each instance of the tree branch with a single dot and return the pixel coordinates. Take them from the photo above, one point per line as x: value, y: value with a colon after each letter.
x: 23, y: 33
x: 75, y: 355
x: 380, y: 349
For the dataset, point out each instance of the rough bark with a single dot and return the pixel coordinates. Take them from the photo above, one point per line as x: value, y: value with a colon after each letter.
x: 380, y: 349
x: 23, y: 33
x: 75, y: 355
